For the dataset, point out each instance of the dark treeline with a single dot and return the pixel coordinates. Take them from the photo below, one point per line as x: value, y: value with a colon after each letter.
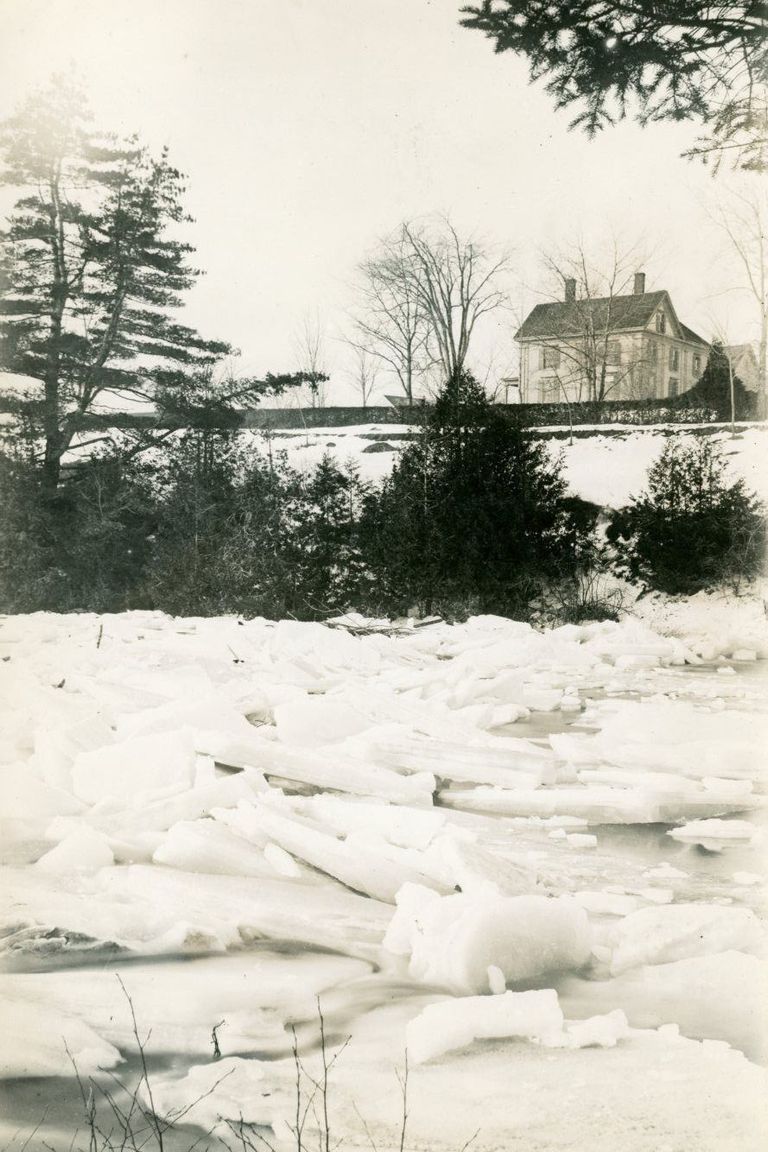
x: 474, y: 518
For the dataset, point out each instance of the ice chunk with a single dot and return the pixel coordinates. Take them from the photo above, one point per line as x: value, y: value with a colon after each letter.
x: 507, y: 762
x: 82, y: 851
x: 332, y: 769
x: 714, y: 835
x: 282, y: 861
x: 202, y: 713
x: 594, y: 1032
x: 451, y: 1024
x: 455, y: 859
x: 677, y: 736
x: 56, y: 747
x: 677, y: 931
x: 25, y: 795
x: 595, y: 803
x: 496, y: 982
x: 147, y: 765
x: 307, y: 721
x: 452, y: 940
x: 581, y: 840
x: 208, y: 846
x: 399, y: 825
x: 541, y: 699
x: 362, y: 863
x: 606, y: 903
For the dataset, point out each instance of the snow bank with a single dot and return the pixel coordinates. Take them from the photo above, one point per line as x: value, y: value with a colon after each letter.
x: 714, y: 624
x: 34, y: 1042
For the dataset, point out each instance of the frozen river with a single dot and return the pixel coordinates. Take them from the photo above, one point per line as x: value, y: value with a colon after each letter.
x: 533, y: 860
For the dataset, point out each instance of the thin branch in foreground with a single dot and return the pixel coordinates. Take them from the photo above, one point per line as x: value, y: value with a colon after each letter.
x: 403, y: 1082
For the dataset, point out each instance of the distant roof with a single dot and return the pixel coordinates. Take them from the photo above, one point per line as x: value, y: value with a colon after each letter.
x: 736, y: 350
x: 565, y: 318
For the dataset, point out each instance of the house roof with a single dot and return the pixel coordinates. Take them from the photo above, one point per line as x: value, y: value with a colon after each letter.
x: 693, y: 337
x: 565, y: 318
x: 736, y: 351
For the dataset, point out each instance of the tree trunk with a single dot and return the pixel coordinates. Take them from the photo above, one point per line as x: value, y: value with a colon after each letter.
x: 762, y: 376
x: 54, y: 446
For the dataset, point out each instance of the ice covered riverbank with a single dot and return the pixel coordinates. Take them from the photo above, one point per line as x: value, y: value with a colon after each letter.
x: 531, y: 858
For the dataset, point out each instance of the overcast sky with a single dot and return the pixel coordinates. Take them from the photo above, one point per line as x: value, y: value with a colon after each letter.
x: 308, y: 128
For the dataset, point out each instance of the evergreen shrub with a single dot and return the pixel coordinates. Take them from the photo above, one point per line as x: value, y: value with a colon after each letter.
x: 692, y: 528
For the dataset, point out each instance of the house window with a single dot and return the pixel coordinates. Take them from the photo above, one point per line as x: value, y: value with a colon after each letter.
x: 661, y: 322
x: 613, y: 352
x: 674, y: 359
x: 696, y: 364
x: 653, y: 353
x: 550, y: 390
x: 550, y: 357
x: 672, y: 386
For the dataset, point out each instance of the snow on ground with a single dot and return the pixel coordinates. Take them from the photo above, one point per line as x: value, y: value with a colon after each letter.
x: 714, y: 623
x: 609, y: 469
x: 533, y: 858
x: 606, y: 466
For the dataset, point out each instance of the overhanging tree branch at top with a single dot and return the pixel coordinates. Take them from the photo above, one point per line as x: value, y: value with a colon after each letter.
x: 652, y: 59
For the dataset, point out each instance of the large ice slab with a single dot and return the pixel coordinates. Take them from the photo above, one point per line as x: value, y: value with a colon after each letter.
x: 452, y: 941
x: 451, y: 1024
x: 362, y: 861
x: 150, y: 766
x: 678, y: 931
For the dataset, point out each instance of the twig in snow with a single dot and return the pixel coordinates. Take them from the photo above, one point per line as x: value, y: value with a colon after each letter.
x: 153, y: 1117
x: 403, y: 1082
x: 366, y: 1129
x: 215, y: 1039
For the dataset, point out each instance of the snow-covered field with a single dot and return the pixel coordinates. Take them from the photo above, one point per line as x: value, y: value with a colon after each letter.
x: 531, y: 859
x: 606, y: 467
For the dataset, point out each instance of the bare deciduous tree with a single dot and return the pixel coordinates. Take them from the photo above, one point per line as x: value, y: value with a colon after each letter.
x: 743, y: 217
x: 364, y: 374
x: 391, y: 323
x: 309, y: 344
x: 456, y: 282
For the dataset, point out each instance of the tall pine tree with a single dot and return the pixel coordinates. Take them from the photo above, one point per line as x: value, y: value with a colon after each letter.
x: 93, y: 274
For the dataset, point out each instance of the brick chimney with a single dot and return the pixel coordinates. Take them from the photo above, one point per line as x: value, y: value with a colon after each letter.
x: 570, y: 291
x: 639, y: 288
